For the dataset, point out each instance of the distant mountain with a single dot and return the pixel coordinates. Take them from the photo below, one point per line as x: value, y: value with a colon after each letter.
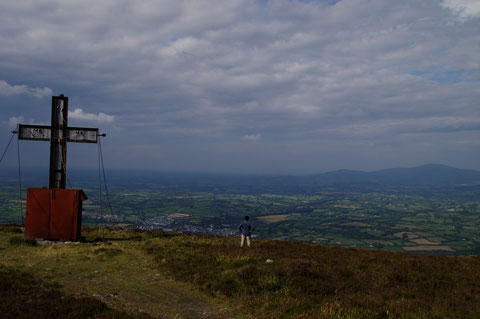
x: 425, y: 175
x: 425, y: 180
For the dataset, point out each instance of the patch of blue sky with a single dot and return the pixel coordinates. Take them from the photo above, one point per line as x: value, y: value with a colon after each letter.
x: 329, y: 2
x: 419, y: 73
x: 448, y: 77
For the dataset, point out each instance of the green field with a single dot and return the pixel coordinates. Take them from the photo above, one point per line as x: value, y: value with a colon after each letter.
x: 385, y: 221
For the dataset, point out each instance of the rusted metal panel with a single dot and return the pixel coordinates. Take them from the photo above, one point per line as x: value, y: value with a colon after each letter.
x: 37, y: 220
x: 63, y: 214
x: 54, y: 213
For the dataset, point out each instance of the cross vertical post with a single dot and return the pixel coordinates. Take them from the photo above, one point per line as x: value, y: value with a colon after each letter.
x: 58, y: 142
x: 56, y: 212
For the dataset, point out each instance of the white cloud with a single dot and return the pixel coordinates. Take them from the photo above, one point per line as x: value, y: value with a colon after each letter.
x: 465, y: 9
x: 79, y: 114
x: 7, y: 89
x: 252, y: 137
x: 14, y: 120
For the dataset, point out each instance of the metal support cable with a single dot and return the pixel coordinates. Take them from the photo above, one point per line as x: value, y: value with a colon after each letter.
x: 8, y: 145
x: 105, y: 180
x: 20, y: 182
x: 100, y: 191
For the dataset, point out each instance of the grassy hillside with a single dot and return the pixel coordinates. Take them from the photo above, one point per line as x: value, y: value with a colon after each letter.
x: 164, y: 275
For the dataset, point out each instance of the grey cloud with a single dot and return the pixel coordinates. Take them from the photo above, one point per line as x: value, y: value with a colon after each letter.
x: 209, y: 71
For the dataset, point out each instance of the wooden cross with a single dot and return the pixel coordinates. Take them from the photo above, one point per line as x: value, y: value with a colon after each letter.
x: 58, y: 134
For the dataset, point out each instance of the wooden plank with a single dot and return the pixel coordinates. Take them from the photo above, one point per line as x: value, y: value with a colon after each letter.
x: 82, y: 135
x: 43, y: 133
x: 34, y: 132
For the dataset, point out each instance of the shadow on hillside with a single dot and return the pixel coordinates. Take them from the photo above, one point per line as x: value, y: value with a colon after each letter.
x: 132, y: 237
x: 109, y: 239
x: 24, y: 296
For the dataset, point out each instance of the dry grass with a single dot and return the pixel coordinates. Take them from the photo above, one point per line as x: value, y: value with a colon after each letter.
x: 315, y: 281
x: 164, y: 275
x: 116, y: 273
x: 24, y: 296
x: 428, y: 248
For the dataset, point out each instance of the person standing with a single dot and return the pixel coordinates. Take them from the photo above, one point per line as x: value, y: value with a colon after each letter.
x: 246, y: 232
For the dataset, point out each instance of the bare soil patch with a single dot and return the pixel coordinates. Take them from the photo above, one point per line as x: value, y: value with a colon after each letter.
x: 179, y: 215
x: 424, y: 241
x: 274, y: 218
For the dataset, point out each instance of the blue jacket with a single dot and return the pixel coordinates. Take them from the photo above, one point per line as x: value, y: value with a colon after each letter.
x: 246, y: 228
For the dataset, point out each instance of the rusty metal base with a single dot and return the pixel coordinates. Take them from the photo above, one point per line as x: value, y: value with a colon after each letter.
x: 54, y: 214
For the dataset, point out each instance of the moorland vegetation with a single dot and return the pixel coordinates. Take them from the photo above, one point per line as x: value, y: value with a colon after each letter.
x: 130, y: 273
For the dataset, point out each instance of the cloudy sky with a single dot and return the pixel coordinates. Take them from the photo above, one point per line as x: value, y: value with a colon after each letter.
x: 272, y: 86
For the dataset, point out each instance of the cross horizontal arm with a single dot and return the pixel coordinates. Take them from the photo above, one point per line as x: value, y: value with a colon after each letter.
x: 44, y: 133
x: 34, y: 132
x: 82, y: 135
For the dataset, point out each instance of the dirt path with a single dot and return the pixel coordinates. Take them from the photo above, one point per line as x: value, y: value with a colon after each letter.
x: 151, y: 291
x: 119, y: 273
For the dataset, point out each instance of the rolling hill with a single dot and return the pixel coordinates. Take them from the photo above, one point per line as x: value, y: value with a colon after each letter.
x: 425, y: 175
x: 430, y: 175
